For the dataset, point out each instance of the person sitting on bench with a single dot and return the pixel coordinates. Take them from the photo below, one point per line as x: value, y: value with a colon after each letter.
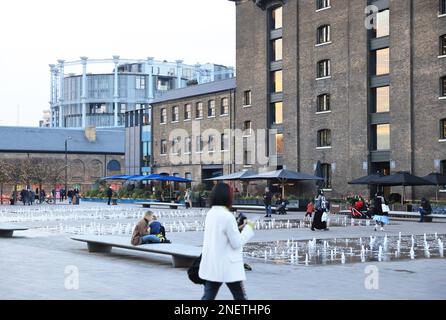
x: 141, y: 233
x: 157, y: 229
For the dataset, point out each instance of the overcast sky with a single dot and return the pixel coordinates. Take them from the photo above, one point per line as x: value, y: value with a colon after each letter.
x: 36, y: 33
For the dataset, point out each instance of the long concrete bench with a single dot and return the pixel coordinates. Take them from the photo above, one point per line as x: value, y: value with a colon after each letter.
x: 251, y: 207
x: 163, y: 204
x: 7, y: 230
x: 404, y: 214
x: 182, y: 255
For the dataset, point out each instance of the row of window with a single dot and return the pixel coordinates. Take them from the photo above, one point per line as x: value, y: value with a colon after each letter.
x: 177, y: 146
x: 199, y: 111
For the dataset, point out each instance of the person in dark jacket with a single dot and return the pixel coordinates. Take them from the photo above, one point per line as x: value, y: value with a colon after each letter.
x: 425, y: 209
x: 267, y: 199
x: 109, y: 195
x: 381, y: 217
x: 321, y: 206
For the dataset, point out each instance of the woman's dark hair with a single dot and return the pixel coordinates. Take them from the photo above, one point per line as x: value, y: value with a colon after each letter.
x: 221, y: 195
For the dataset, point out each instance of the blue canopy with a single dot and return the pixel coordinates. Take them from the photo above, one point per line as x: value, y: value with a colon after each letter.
x: 118, y: 177
x: 158, y: 177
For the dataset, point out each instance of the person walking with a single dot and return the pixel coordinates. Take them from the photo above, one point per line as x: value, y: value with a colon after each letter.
x: 380, y: 211
x: 321, y: 206
x: 425, y: 209
x: 188, y: 198
x: 222, y: 256
x: 267, y: 199
x: 109, y: 194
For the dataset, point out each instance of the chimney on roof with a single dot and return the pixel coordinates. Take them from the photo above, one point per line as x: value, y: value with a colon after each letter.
x: 90, y: 133
x: 191, y: 83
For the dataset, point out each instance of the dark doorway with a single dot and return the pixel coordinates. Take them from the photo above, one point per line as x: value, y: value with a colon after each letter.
x: 384, y: 168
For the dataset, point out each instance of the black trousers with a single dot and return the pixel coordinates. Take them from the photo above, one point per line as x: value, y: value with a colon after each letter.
x: 211, y: 290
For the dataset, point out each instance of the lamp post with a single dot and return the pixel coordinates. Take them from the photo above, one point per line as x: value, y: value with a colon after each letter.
x: 66, y: 163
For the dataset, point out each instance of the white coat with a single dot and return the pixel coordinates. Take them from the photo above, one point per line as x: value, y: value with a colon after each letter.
x: 222, y: 257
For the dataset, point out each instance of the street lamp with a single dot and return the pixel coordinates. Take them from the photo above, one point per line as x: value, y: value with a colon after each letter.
x: 66, y: 164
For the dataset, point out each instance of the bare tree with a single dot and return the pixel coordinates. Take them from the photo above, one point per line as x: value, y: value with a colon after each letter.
x: 4, y: 177
x: 54, y: 170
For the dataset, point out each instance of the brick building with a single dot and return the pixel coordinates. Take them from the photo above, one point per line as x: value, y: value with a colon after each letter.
x: 190, y: 131
x: 358, y: 88
x: 91, y: 154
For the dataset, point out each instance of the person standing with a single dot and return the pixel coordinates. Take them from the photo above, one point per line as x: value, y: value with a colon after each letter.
x: 425, y: 209
x: 267, y: 199
x: 70, y: 196
x: 321, y: 206
x: 381, y: 216
x: 222, y: 257
x: 188, y: 198
x: 109, y: 194
x: 23, y: 196
x: 310, y: 209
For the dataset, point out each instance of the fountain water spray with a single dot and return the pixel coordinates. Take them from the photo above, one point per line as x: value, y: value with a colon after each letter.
x: 343, y: 258
x: 412, y: 253
x: 440, y: 247
x: 380, y: 253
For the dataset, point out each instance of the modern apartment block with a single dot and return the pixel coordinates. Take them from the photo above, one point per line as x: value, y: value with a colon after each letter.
x: 358, y: 85
x: 98, y: 92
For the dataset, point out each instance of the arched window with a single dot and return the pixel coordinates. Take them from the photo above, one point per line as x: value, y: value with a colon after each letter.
x: 324, y: 138
x: 77, y: 170
x: 113, y: 166
x: 96, y: 169
x: 323, y: 68
x: 323, y: 34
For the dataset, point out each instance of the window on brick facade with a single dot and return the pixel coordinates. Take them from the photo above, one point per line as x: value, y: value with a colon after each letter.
x: 443, y: 45
x: 276, y: 18
x: 247, y: 98
x: 322, y: 4
x: 224, y: 142
x: 199, y: 110
x: 381, y: 136
x: 382, y: 58
x: 247, y: 128
x: 382, y: 24
x: 277, y: 112
x: 188, y: 111
x: 188, y: 145
x: 326, y: 174
x: 163, y: 147
x: 443, y: 129
x: 324, y: 138
x: 323, y: 68
x: 442, y: 8
x: 323, y: 34
x: 175, y: 114
x: 211, y: 108
x: 277, y: 81
x: 199, y: 144
x: 443, y: 86
x: 224, y: 110
x: 277, y: 49
x: 163, y: 115
x: 323, y: 103
x: 381, y: 96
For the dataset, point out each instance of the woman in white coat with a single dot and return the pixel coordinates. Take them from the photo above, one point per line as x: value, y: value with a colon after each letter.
x: 222, y: 257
